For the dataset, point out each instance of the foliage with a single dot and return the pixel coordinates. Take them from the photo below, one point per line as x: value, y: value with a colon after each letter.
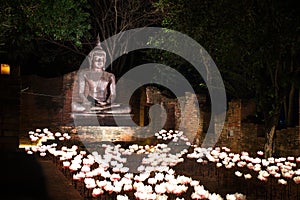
x: 55, y: 20
x: 113, y: 17
x: 51, y: 34
x: 254, y: 43
x: 42, y: 29
x: 245, y: 38
x: 51, y: 20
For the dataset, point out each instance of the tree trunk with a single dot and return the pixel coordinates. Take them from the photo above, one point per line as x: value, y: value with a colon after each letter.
x: 270, y: 142
x: 271, y: 131
x: 285, y: 109
x: 290, y: 106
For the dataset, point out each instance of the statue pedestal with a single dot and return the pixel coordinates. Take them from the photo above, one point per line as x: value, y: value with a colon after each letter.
x: 93, y: 128
x: 95, y: 134
x: 103, y: 119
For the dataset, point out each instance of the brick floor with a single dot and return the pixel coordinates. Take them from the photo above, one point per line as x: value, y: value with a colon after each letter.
x: 26, y: 177
x: 57, y: 185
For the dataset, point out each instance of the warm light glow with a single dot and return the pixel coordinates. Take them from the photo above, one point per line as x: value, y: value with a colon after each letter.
x: 5, y: 69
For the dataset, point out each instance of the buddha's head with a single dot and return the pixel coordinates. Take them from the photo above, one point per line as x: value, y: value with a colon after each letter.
x: 97, y: 57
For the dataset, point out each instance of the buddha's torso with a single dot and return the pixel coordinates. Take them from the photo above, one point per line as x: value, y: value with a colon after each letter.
x: 98, y: 84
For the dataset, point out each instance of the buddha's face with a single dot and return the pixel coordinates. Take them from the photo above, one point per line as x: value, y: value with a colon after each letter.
x: 98, y: 62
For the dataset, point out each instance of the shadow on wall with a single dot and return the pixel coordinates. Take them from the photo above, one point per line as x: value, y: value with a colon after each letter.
x: 41, y: 102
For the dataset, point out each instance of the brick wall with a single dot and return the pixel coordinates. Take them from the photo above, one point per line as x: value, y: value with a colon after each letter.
x: 190, y: 117
x: 248, y: 108
x: 236, y: 134
x: 70, y: 89
x: 42, y: 102
x: 232, y: 131
x: 171, y: 106
x: 10, y: 87
x: 249, y: 137
x: 182, y: 113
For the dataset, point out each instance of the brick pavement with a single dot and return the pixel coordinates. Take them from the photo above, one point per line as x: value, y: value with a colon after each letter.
x: 57, y: 185
x: 27, y: 177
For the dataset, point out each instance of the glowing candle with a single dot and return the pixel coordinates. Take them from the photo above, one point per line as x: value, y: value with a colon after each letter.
x: 5, y: 69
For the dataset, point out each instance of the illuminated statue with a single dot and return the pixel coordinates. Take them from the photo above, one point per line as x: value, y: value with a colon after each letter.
x: 97, y: 88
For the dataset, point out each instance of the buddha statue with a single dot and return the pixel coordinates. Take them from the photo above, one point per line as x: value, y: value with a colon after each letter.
x: 97, y: 87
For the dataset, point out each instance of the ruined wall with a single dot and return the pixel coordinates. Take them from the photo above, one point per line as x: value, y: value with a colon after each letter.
x: 250, y: 137
x: 70, y: 88
x: 171, y: 106
x: 41, y: 102
x: 248, y: 108
x: 10, y: 87
x: 184, y: 116
x: 237, y: 134
x: 287, y: 141
x: 231, y: 133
